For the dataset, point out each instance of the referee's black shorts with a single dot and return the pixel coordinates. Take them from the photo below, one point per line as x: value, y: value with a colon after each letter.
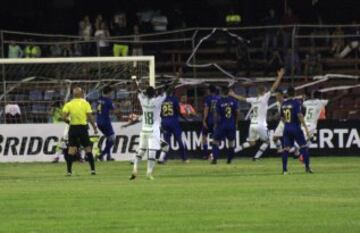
x: 79, y: 135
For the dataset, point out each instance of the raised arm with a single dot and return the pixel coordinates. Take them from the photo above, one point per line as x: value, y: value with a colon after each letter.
x: 238, y: 97
x: 280, y: 75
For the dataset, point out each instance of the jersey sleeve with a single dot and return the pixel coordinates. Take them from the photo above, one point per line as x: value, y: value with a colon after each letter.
x: 267, y: 96
x: 297, y: 107
x: 66, y: 108
x: 88, y: 107
x: 160, y: 99
x: 250, y: 100
x: 324, y: 102
x: 111, y: 105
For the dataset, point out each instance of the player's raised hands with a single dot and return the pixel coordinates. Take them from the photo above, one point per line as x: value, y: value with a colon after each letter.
x: 281, y: 72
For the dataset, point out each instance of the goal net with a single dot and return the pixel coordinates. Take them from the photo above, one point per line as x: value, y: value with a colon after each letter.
x: 34, y: 90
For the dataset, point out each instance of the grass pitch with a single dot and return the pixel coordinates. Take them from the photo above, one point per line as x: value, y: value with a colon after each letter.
x: 197, y: 197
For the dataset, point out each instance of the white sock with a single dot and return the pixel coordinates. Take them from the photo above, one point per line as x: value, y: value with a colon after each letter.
x: 150, y: 167
x: 162, y: 156
x: 137, y: 159
x: 278, y: 144
x: 261, y: 150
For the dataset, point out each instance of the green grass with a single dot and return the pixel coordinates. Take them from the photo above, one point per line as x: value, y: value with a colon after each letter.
x: 197, y: 197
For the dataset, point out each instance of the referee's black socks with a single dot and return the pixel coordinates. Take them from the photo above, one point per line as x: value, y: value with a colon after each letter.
x: 90, y: 158
x: 69, y: 160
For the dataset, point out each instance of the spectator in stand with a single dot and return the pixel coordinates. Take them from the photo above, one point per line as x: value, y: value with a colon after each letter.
x: 55, y: 50
x: 119, y: 28
x: 101, y: 35
x: 15, y: 51
x: 98, y: 21
x: 12, y: 113
x: 337, y: 41
x: 159, y: 22
x: 288, y: 19
x: 271, y: 40
x: 242, y: 57
x: 353, y: 41
x: 66, y: 50
x: 144, y: 18
x: 85, y: 31
x: 321, y: 32
x: 137, y: 47
x: 292, y: 62
x: 32, y: 51
x: 274, y: 61
x: 77, y: 51
x: 313, y: 63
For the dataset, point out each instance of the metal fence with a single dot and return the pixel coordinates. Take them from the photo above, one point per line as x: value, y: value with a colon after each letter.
x: 242, y: 53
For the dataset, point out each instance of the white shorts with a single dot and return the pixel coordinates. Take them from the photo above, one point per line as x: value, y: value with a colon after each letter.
x: 257, y: 132
x: 312, y: 131
x: 279, y: 131
x: 149, y: 141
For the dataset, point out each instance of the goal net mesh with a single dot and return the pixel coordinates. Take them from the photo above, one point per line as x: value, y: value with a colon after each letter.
x: 35, y: 92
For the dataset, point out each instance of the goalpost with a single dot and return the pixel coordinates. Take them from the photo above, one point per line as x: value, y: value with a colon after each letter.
x: 37, y: 84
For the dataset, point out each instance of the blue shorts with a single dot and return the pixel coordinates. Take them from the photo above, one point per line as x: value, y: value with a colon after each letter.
x: 169, y: 128
x: 292, y: 135
x: 208, y: 130
x: 225, y: 131
x: 106, y: 129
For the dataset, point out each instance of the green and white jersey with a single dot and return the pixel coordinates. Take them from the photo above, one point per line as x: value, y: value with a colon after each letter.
x: 313, y: 108
x: 151, y: 108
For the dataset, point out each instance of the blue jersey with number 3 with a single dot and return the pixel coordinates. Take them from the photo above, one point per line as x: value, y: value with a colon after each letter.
x: 226, y: 108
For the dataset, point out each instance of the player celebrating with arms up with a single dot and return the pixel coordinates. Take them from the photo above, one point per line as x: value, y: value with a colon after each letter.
x: 150, y: 130
x: 259, y: 107
x: 225, y: 118
x: 294, y: 119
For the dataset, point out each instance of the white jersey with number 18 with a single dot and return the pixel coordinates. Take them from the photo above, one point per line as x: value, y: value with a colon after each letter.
x: 259, y: 106
x: 151, y: 109
x: 313, y: 108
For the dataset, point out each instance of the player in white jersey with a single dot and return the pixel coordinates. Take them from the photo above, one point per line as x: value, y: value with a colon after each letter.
x: 258, y: 125
x: 313, y: 109
x: 150, y: 130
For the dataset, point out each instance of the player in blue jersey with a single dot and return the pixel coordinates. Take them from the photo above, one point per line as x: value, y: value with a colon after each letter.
x: 293, y: 120
x: 104, y: 108
x: 208, y: 118
x: 170, y: 125
x: 225, y: 118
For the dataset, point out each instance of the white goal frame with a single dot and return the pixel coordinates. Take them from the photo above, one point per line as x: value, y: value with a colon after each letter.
x: 150, y: 59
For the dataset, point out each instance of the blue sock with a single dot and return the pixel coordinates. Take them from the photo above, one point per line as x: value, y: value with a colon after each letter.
x: 231, y: 153
x: 183, y: 151
x: 205, y: 150
x: 108, y: 145
x: 305, y: 152
x: 215, y: 151
x: 284, y: 160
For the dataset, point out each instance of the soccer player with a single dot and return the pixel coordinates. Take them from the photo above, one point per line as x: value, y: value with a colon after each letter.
x: 208, y: 118
x: 293, y: 120
x: 78, y: 113
x: 259, y: 106
x: 313, y: 109
x: 279, y: 131
x: 104, y: 108
x: 225, y: 118
x: 170, y: 125
x: 150, y: 131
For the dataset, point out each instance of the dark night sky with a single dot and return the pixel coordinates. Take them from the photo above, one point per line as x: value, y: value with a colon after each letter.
x: 61, y: 16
